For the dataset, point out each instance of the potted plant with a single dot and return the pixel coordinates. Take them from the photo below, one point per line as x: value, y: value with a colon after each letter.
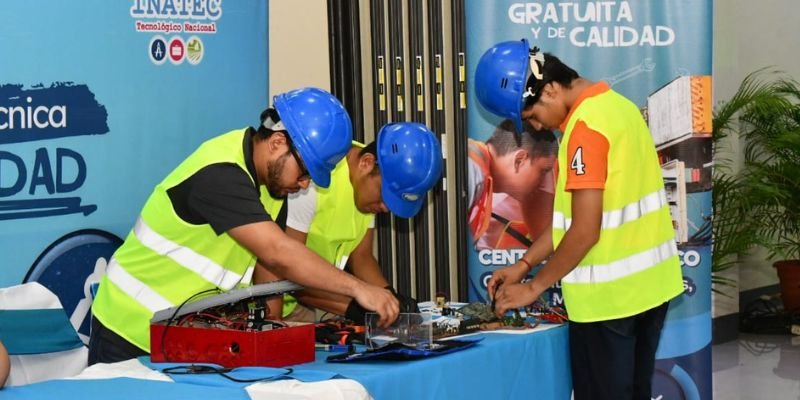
x: 733, y: 233
x: 759, y: 204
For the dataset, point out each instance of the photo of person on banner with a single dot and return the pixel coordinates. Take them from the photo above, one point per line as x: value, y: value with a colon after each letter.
x: 510, y: 186
x: 611, y: 241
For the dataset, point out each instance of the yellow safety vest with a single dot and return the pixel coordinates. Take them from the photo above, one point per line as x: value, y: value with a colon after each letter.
x: 337, y: 227
x: 164, y: 260
x: 634, y: 266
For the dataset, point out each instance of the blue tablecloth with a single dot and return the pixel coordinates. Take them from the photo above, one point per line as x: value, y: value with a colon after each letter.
x: 118, y: 389
x: 501, y: 366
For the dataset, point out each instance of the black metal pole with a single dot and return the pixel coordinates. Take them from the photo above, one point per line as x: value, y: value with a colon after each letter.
x: 460, y: 113
x: 344, y: 43
x: 353, y: 45
x: 416, y: 40
x: 380, y: 99
x: 334, y: 46
x: 398, y: 113
x: 438, y: 124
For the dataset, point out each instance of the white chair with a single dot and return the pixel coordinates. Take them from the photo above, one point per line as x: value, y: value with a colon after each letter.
x: 41, y: 342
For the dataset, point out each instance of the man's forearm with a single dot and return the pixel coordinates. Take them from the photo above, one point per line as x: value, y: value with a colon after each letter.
x: 326, y: 301
x: 368, y: 270
x: 584, y: 232
x: 263, y: 275
x: 572, y: 249
x: 315, y: 272
x: 292, y: 260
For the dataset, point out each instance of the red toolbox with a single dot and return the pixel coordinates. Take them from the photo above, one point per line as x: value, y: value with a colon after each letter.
x: 230, y: 348
x: 230, y: 329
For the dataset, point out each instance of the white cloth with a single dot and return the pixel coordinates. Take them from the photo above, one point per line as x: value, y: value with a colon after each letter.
x: 334, y: 389
x: 30, y: 368
x: 287, y: 389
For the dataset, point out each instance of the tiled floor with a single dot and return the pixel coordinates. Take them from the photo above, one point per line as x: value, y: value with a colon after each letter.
x: 757, y: 367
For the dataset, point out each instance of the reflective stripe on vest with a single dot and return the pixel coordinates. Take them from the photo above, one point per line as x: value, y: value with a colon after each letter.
x: 634, y: 265
x: 212, y: 272
x: 616, y: 218
x: 137, y: 290
x: 624, y: 267
x: 164, y: 260
x: 134, y: 288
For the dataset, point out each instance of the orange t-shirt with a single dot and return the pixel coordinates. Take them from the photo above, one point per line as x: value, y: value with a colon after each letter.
x: 587, y: 150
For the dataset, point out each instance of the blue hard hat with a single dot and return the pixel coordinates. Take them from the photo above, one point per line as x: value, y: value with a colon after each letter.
x: 500, y: 79
x: 319, y: 127
x: 410, y: 162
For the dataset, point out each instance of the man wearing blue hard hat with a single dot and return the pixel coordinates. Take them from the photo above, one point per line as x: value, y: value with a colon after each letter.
x: 611, y: 241
x: 393, y: 173
x: 211, y: 223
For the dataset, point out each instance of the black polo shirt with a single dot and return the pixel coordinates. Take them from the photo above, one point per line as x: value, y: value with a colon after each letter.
x: 222, y: 195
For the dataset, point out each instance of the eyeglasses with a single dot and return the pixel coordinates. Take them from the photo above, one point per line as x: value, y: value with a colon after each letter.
x: 304, y: 174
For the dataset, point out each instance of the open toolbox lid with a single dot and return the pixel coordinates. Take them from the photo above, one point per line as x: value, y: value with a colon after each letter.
x: 229, y: 297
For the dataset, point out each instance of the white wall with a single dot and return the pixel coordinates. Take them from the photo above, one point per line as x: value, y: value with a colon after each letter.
x: 749, y: 35
x: 298, y: 45
x: 752, y: 34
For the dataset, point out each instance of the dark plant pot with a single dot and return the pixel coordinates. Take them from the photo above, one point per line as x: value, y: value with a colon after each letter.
x: 789, y: 277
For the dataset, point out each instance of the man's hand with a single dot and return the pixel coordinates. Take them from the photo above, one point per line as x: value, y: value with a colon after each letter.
x: 408, y: 304
x: 510, y: 274
x: 514, y: 296
x: 381, y: 301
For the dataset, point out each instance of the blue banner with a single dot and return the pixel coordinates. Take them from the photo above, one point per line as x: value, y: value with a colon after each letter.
x: 658, y: 54
x: 99, y: 100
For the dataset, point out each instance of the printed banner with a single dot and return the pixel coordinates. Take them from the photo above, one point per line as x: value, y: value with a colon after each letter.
x: 99, y: 100
x: 658, y: 54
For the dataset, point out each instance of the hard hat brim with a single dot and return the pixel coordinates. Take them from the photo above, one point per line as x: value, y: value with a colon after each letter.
x: 525, y: 75
x: 401, y: 207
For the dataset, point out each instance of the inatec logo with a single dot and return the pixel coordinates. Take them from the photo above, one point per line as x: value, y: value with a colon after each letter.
x: 32, y: 116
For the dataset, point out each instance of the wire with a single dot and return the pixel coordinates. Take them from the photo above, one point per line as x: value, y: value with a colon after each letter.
x: 322, y: 318
x: 763, y: 316
x: 543, y: 303
x: 758, y: 348
x: 174, y: 314
x: 223, y: 372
